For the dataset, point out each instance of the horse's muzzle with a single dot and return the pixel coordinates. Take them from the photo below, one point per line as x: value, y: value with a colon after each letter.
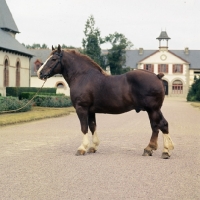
x: 43, y: 76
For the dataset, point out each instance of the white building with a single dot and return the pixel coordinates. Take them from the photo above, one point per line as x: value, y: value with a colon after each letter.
x: 14, y: 57
x: 178, y: 66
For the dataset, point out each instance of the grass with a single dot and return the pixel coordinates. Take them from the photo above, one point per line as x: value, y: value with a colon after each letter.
x: 196, y: 104
x: 35, y: 114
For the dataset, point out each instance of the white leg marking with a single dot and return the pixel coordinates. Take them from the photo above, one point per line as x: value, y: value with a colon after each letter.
x: 39, y: 70
x: 85, y: 142
x: 168, y: 144
x: 95, y: 141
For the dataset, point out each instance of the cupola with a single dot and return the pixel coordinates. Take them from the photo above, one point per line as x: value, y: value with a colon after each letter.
x: 163, y: 40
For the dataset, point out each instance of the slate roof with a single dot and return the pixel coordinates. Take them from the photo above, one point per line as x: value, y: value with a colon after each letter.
x: 133, y: 57
x: 163, y: 36
x: 6, y: 19
x: 9, y: 43
x: 8, y: 26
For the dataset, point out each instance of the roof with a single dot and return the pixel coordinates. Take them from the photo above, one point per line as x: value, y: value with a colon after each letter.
x: 193, y: 57
x: 163, y: 36
x: 133, y: 57
x: 9, y: 43
x: 6, y: 19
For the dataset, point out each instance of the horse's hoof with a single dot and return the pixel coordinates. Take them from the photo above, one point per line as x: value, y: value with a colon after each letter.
x: 147, y: 152
x: 92, y: 150
x: 80, y: 153
x: 165, y: 155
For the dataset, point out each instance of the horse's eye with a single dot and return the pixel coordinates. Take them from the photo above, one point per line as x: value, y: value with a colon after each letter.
x: 54, y: 59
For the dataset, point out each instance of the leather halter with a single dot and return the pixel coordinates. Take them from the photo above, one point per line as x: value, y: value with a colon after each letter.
x: 59, y: 62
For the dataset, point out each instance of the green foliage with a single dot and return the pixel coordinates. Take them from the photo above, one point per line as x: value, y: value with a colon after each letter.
x: 91, y: 43
x: 194, y: 92
x: 13, y: 103
x: 52, y: 101
x: 16, y: 91
x: 117, y: 54
x: 36, y: 46
x: 29, y: 95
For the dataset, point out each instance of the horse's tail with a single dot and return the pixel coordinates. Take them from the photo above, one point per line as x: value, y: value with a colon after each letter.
x: 160, y: 75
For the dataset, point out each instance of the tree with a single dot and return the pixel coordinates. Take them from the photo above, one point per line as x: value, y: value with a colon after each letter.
x: 194, y: 92
x: 117, y: 54
x: 36, y: 46
x: 92, y: 41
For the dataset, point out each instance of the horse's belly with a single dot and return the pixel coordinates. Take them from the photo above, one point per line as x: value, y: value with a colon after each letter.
x: 111, y: 109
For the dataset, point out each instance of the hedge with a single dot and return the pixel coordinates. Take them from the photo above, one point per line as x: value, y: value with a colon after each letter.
x: 13, y: 103
x: 29, y: 95
x: 16, y: 91
x: 52, y: 101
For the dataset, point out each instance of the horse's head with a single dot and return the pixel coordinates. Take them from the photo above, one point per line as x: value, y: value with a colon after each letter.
x: 52, y: 66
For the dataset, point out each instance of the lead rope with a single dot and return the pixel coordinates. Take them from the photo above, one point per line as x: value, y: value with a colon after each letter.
x: 9, y: 111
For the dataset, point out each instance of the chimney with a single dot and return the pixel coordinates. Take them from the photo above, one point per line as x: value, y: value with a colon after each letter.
x: 186, y: 50
x: 141, y: 51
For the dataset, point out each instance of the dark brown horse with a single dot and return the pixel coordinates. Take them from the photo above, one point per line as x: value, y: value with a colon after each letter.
x: 93, y: 91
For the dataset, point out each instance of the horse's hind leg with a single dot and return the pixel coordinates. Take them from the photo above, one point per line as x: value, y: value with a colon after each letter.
x: 167, y: 141
x: 95, y: 140
x: 157, y: 122
x: 154, y: 121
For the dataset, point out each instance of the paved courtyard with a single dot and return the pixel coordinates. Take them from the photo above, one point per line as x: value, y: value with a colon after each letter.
x: 38, y: 162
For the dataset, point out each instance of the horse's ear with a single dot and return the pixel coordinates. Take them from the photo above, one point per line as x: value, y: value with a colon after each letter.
x: 53, y: 48
x: 59, y: 48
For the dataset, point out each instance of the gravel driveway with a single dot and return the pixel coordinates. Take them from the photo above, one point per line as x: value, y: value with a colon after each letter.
x: 38, y: 162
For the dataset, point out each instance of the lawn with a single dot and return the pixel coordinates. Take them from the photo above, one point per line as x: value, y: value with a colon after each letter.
x: 35, y: 114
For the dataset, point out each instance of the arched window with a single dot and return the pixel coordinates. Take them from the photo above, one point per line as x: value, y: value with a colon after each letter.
x: 60, y: 85
x: 18, y: 74
x: 6, y: 73
x: 177, y: 87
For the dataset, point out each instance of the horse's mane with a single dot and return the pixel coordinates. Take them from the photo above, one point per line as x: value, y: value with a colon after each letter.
x: 86, y: 58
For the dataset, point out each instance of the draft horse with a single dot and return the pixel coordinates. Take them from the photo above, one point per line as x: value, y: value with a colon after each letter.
x: 92, y: 91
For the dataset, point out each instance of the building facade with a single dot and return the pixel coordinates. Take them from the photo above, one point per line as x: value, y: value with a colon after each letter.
x: 14, y: 57
x: 178, y: 66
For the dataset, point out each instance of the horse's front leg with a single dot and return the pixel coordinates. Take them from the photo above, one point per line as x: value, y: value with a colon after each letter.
x: 82, y: 113
x: 95, y: 139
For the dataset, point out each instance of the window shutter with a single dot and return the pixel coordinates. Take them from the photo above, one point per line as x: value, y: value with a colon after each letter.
x: 167, y: 68
x: 152, y: 68
x: 181, y: 68
x: 159, y: 68
x: 144, y: 66
x: 173, y: 68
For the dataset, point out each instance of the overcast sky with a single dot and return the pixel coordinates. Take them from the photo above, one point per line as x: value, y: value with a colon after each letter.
x: 141, y: 21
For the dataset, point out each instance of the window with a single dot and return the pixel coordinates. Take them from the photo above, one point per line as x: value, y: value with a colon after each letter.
x: 177, y: 68
x: 163, y: 68
x: 60, y: 85
x: 18, y: 74
x: 6, y: 74
x: 149, y: 67
x: 177, y: 87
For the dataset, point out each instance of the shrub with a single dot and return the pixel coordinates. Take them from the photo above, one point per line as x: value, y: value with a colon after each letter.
x: 13, y: 103
x: 52, y: 101
x: 29, y: 95
x: 17, y: 91
x: 194, y: 92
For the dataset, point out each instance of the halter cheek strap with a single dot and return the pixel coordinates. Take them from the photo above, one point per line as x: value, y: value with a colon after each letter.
x: 59, y: 62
